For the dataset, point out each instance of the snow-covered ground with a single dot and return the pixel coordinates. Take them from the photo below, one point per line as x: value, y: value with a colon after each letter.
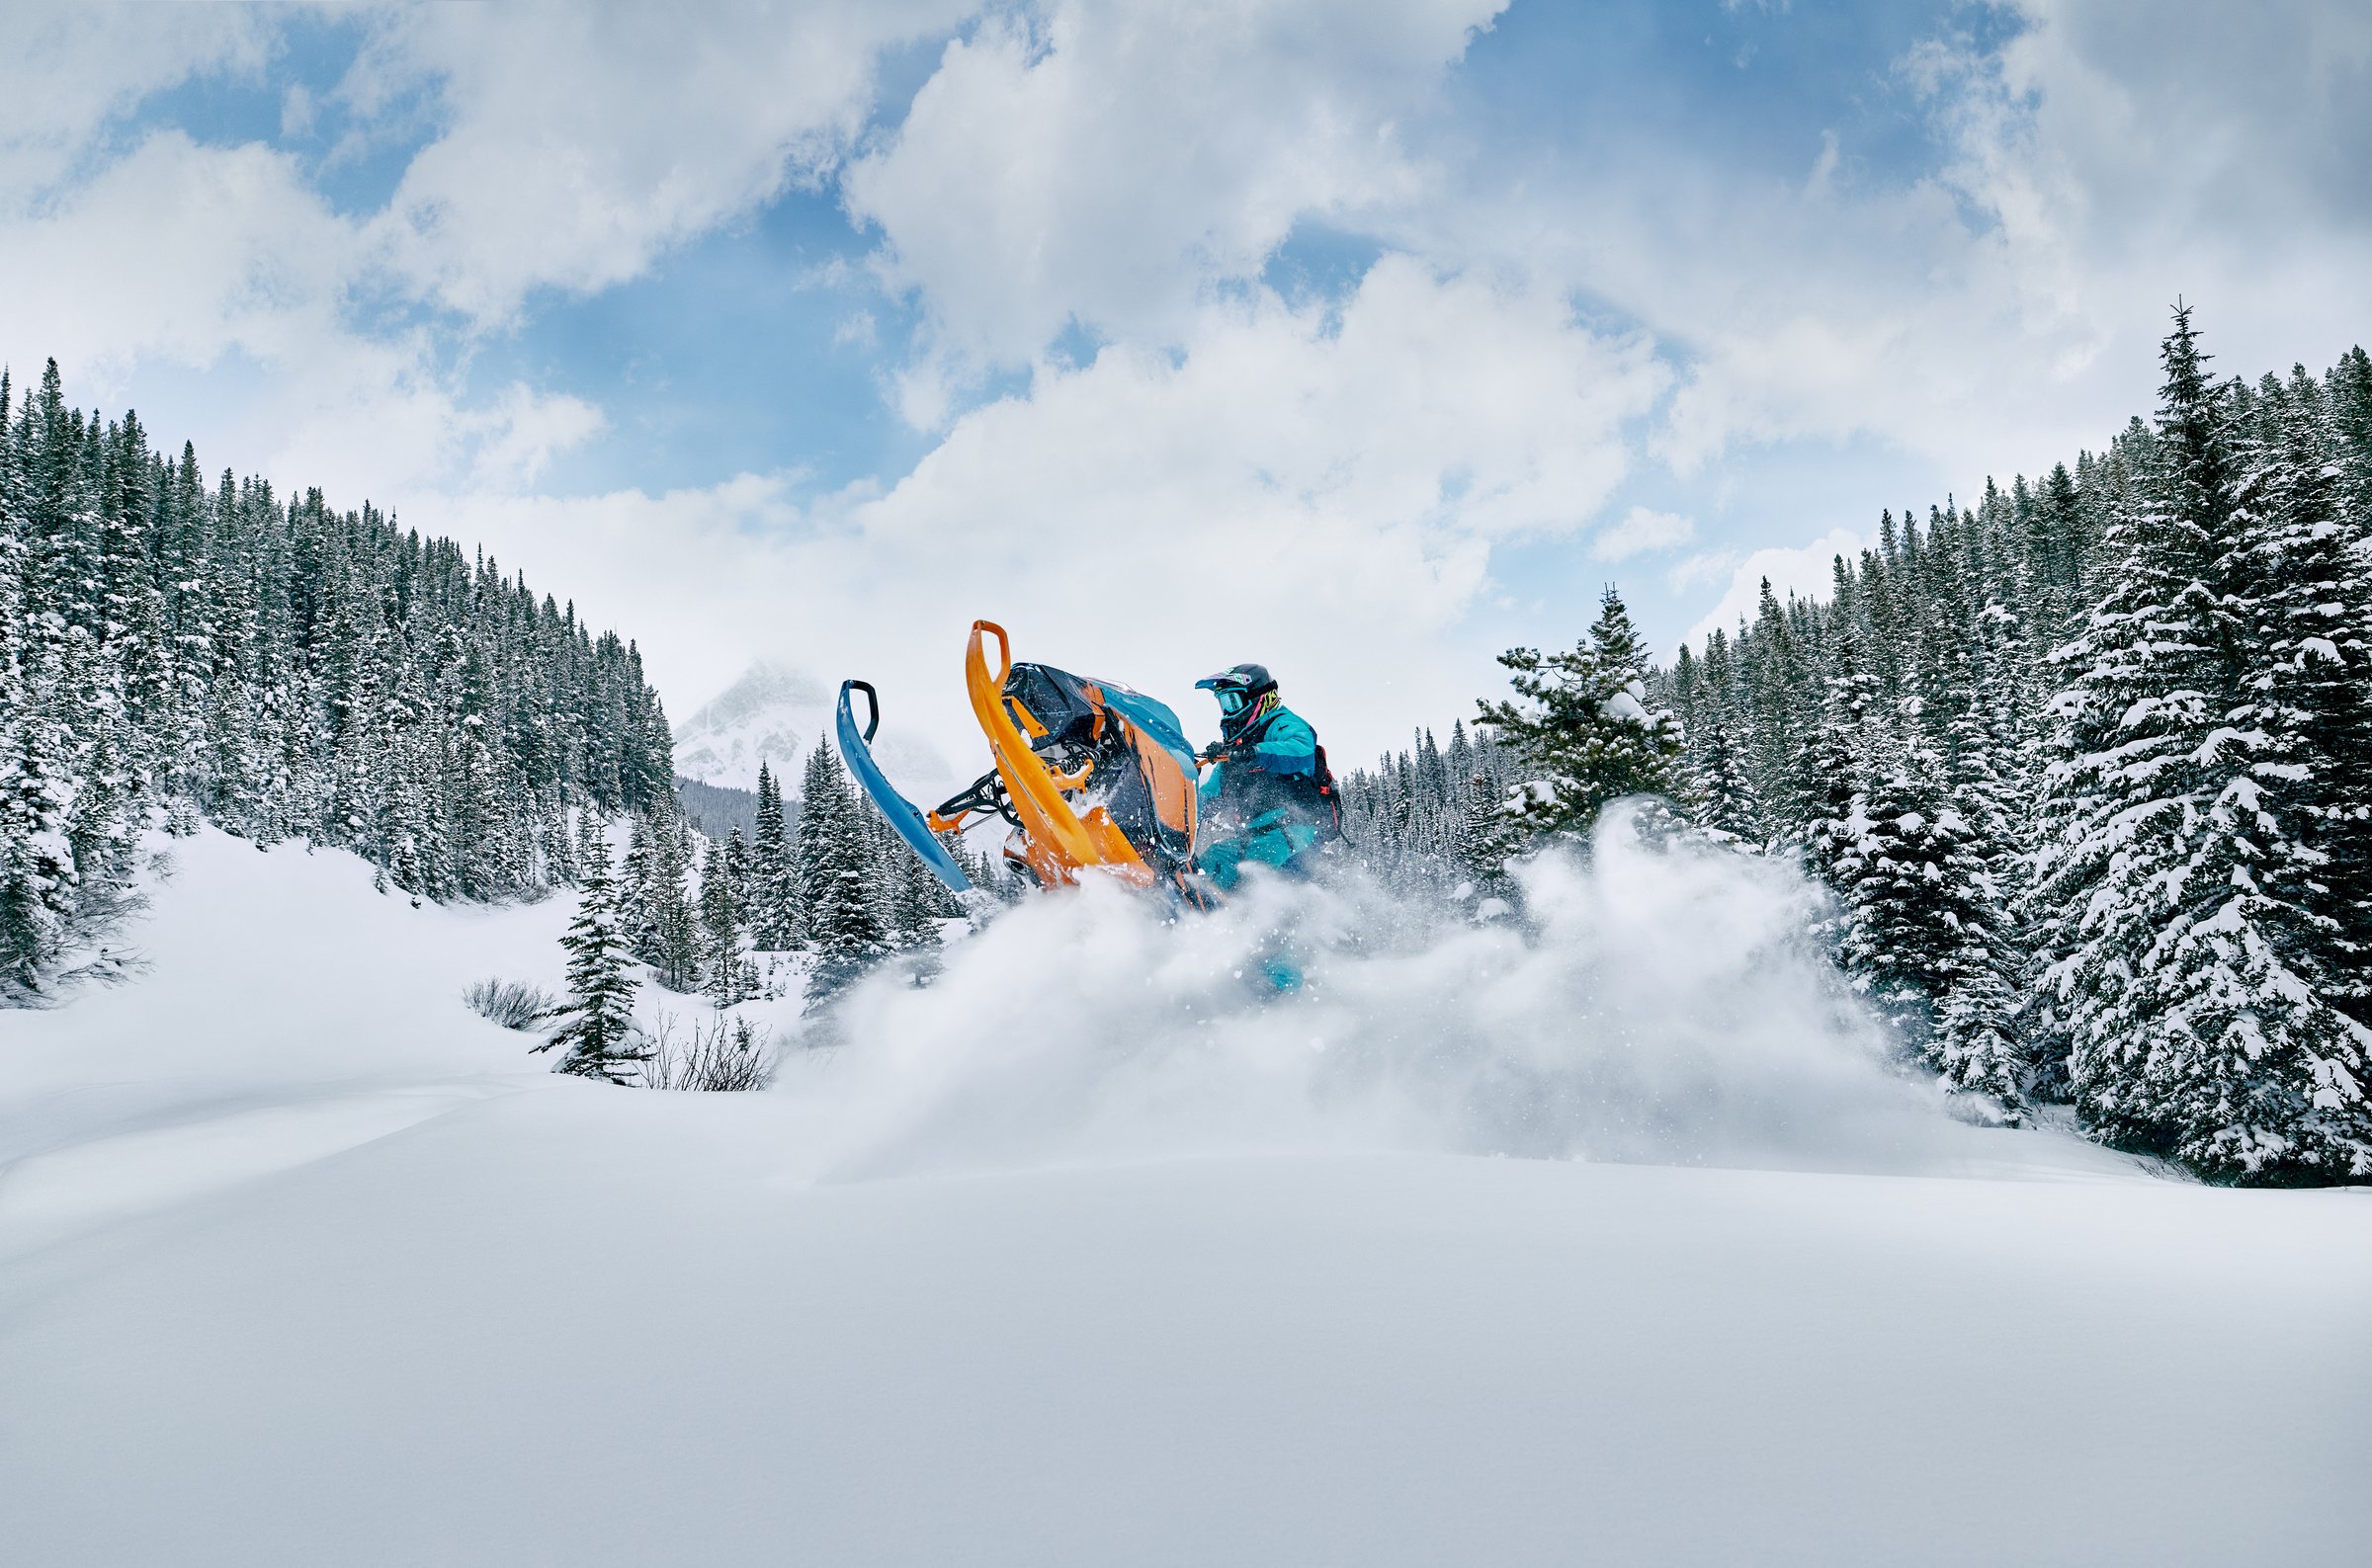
x: 1089, y: 1254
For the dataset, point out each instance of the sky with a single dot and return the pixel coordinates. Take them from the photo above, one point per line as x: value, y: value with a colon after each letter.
x: 1361, y: 338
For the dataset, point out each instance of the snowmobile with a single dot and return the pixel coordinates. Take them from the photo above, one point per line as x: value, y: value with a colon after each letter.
x: 1091, y: 778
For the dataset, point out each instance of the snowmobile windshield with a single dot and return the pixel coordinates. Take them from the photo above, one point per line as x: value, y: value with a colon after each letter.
x: 1143, y: 772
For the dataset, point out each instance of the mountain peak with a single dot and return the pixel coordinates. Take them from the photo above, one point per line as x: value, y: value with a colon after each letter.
x: 773, y: 712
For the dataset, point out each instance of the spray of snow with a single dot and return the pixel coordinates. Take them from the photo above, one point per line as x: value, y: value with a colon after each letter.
x: 1660, y: 1004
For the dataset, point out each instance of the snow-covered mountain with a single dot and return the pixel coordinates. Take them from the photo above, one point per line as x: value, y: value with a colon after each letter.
x: 773, y: 714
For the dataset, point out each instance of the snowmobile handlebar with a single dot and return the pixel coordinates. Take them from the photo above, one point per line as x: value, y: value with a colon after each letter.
x: 1004, y: 649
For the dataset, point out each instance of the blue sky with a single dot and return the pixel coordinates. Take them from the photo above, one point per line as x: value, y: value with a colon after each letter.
x: 1364, y: 337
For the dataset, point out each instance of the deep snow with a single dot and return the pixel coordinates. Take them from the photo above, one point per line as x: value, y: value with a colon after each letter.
x: 1087, y: 1255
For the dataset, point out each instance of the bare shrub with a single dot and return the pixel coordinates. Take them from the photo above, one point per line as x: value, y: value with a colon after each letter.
x: 724, y: 1054
x: 511, y: 1004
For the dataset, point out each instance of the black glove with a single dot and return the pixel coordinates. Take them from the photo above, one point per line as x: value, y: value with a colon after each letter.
x: 1217, y: 751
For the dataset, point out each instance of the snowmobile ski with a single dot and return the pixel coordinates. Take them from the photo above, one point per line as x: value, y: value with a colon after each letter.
x: 905, y: 819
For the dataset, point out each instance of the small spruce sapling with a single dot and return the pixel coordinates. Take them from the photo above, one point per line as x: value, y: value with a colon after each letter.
x: 597, y: 1026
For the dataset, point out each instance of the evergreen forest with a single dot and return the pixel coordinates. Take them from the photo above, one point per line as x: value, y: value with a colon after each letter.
x: 175, y: 650
x: 2087, y: 766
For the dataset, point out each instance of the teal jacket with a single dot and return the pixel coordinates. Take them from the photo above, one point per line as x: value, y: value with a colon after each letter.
x: 1260, y: 804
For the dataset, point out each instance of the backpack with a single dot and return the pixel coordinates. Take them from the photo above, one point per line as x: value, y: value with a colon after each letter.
x: 1329, y: 825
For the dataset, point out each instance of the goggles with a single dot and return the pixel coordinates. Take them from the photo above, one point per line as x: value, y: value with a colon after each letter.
x: 1232, y: 699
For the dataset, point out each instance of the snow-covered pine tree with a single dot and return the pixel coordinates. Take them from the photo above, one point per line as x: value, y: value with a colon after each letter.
x: 637, y: 915
x: 917, y: 901
x: 1581, y: 725
x: 2305, y: 547
x: 773, y: 883
x: 1424, y: 830
x: 2348, y: 389
x: 670, y: 916
x: 1721, y: 792
x: 724, y: 919
x: 597, y: 1028
x: 1782, y: 697
x: 1843, y: 840
x: 1952, y: 617
x: 844, y: 925
x: 592, y: 838
x: 38, y: 884
x: 2184, y: 963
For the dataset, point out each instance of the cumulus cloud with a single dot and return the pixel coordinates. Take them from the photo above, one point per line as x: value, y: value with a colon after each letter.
x: 1107, y: 164
x: 70, y: 69
x: 1319, y: 490
x: 566, y: 147
x: 256, y: 288
x: 1641, y: 532
x: 256, y: 261
x: 1804, y: 571
x: 581, y: 140
x: 1992, y: 307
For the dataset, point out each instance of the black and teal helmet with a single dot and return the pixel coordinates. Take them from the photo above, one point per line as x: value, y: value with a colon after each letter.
x: 1245, y: 692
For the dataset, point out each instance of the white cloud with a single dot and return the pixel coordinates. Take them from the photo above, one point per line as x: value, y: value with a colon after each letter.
x: 67, y: 69
x: 698, y: 576
x: 255, y: 291
x: 857, y: 329
x: 298, y: 111
x: 1806, y: 571
x: 579, y: 141
x: 2004, y: 306
x: 1109, y: 163
x: 1322, y: 493
x: 1319, y: 495
x: 255, y: 261
x: 1703, y: 567
x: 524, y: 430
x: 1641, y: 533
x: 569, y: 146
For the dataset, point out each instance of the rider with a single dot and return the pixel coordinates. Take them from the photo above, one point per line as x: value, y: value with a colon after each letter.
x: 1269, y: 794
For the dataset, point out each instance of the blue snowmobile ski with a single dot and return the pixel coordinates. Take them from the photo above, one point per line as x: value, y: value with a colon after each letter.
x: 904, y: 817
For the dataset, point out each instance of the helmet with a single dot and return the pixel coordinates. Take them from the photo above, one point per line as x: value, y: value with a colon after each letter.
x: 1245, y: 692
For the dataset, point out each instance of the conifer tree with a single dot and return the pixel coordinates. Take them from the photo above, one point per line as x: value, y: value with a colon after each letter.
x: 723, y: 915
x: 38, y: 882
x: 2196, y: 1013
x: 1722, y: 796
x: 670, y: 917
x: 597, y: 1029
x: 2310, y: 585
x: 844, y: 924
x: 1583, y: 728
x: 774, y: 887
